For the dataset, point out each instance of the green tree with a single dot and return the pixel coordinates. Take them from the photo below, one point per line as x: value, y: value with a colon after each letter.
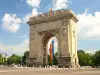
x: 88, y: 58
x: 85, y: 59
x: 25, y: 57
x: 49, y: 62
x: 54, y: 61
x: 14, y: 59
x: 96, y: 58
x: 56, y: 54
x: 81, y: 58
x: 1, y: 59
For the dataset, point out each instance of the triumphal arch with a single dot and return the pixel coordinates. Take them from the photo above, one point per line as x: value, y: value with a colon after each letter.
x: 60, y: 24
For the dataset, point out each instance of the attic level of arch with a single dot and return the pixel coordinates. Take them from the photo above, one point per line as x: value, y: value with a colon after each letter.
x: 64, y: 22
x: 57, y: 15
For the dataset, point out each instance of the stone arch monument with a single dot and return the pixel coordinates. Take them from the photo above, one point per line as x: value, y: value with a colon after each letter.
x: 60, y: 24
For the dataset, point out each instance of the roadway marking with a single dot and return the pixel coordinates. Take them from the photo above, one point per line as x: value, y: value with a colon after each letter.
x: 3, y: 71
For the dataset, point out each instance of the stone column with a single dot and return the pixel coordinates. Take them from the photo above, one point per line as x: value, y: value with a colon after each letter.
x: 35, y: 47
x: 64, y: 58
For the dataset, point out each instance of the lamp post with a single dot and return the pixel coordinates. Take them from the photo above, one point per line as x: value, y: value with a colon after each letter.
x: 21, y: 59
x: 6, y: 60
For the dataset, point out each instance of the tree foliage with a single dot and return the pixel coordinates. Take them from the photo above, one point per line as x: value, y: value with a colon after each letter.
x: 25, y: 57
x: 14, y: 59
x: 1, y: 59
x: 96, y: 58
x: 54, y: 61
x: 85, y: 59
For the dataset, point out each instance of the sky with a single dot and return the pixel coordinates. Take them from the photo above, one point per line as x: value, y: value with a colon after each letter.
x: 14, y: 31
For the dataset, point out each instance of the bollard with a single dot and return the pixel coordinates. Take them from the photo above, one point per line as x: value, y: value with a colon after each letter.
x: 40, y: 66
x: 56, y: 67
x: 33, y: 66
x: 45, y: 66
x: 63, y: 67
x: 50, y: 66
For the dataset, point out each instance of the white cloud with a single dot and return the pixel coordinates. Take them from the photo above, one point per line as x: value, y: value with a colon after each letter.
x: 90, y: 51
x: 11, y: 22
x: 33, y: 3
x: 60, y: 4
x: 88, y: 26
x: 25, y: 43
x: 23, y: 36
x: 15, y: 49
x: 26, y: 17
x: 32, y: 14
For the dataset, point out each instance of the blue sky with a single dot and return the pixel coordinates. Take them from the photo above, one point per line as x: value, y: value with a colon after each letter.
x: 14, y: 31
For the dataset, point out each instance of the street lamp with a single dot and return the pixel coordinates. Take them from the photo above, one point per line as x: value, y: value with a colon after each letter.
x: 21, y: 59
x: 6, y: 59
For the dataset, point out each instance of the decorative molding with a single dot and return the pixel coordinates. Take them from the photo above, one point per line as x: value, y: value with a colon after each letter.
x: 33, y: 28
x: 73, y: 33
x: 54, y: 31
x: 32, y: 36
x: 57, y: 15
x: 41, y: 32
x: 64, y: 31
x: 64, y: 22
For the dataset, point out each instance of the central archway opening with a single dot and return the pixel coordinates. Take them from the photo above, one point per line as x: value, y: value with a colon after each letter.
x: 50, y: 50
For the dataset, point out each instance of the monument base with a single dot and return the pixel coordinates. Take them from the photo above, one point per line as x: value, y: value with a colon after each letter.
x: 32, y: 62
x: 64, y: 62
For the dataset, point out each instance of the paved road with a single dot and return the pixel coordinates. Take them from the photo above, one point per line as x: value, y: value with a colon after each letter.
x: 43, y: 71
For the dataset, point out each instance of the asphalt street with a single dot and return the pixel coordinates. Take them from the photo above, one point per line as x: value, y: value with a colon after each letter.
x: 48, y: 71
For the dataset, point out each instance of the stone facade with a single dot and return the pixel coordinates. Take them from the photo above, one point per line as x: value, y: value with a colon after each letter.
x: 61, y: 25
